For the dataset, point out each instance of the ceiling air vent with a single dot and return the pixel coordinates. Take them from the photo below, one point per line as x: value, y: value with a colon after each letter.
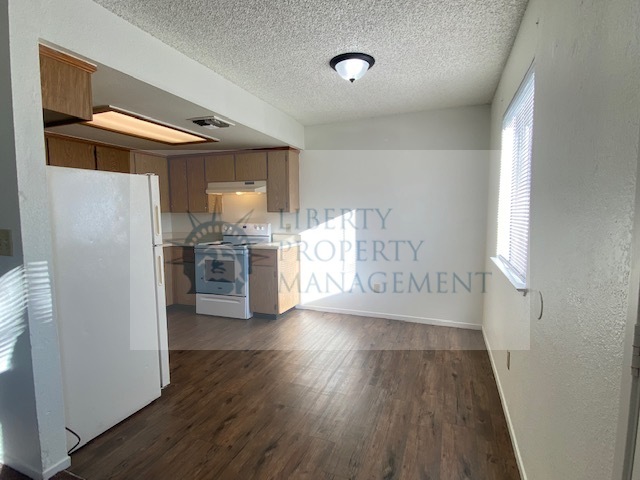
x: 212, y: 122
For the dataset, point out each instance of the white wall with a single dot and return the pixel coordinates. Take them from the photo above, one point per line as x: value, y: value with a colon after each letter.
x: 425, y: 181
x: 430, y: 170
x: 31, y: 412
x: 463, y: 128
x: 33, y: 430
x: 563, y: 396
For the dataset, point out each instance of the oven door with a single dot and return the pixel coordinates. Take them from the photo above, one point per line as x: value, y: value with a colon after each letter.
x: 222, y: 271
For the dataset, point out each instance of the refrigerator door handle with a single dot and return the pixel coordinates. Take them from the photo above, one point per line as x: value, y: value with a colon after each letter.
x: 156, y: 218
x: 160, y: 271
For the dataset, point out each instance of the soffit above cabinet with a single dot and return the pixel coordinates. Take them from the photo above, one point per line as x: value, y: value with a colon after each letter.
x: 111, y: 87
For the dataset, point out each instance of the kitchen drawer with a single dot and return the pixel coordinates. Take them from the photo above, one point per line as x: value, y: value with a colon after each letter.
x: 263, y: 258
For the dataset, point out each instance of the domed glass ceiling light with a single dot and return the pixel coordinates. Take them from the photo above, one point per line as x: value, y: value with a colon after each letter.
x: 352, y: 66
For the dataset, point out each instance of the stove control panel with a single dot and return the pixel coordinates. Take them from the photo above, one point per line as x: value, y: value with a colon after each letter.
x: 248, y: 229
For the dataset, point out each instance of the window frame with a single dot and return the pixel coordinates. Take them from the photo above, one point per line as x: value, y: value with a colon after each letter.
x: 522, y: 105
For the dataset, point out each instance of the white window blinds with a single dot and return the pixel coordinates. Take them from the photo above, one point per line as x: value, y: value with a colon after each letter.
x: 515, y: 181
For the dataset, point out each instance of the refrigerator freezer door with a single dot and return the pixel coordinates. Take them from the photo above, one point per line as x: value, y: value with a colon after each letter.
x: 105, y: 295
x: 161, y: 307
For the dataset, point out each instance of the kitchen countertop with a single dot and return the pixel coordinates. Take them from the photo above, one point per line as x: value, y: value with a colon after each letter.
x: 286, y: 241
x: 182, y: 239
x: 185, y: 239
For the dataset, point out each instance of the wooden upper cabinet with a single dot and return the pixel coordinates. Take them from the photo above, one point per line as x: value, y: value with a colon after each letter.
x: 189, y: 176
x: 220, y: 168
x: 251, y: 166
x: 62, y: 152
x: 178, y: 185
x: 188, y: 185
x: 145, y: 163
x: 283, y: 181
x: 114, y: 159
x: 196, y: 184
x: 66, y: 87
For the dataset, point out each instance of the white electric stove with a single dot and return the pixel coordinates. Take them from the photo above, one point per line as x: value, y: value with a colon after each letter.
x: 222, y: 270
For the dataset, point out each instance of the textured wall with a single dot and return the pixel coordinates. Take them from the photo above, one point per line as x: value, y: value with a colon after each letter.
x: 464, y: 128
x: 563, y: 395
x: 431, y: 170
x: 32, y: 420
x: 33, y: 435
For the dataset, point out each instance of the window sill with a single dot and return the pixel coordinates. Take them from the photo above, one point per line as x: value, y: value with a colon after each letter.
x: 518, y: 284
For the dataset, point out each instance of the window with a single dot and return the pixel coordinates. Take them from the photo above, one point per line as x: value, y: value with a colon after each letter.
x: 515, y: 185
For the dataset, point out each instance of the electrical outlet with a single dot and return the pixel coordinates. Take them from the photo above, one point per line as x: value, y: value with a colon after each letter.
x: 6, y: 246
x: 508, y: 360
x: 287, y: 227
x: 376, y: 287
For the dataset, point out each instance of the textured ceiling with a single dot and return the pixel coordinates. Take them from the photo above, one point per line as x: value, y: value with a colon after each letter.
x: 429, y: 54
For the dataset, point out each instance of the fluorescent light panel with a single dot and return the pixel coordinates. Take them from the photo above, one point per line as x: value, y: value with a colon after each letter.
x: 119, y: 121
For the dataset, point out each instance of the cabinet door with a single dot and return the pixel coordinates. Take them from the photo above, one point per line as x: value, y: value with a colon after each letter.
x: 282, y: 181
x: 145, y: 163
x: 184, y: 276
x: 66, y: 86
x: 220, y: 168
x: 263, y: 290
x: 251, y: 166
x: 178, y: 185
x: 196, y: 185
x: 168, y: 274
x: 70, y: 153
x: 263, y: 282
x: 288, y: 278
x: 114, y: 159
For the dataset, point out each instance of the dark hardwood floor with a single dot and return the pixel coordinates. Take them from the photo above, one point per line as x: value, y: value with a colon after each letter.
x: 313, y: 396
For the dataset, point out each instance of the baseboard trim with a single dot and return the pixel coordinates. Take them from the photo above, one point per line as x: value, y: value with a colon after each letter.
x: 390, y: 316
x: 34, y: 473
x: 58, y: 467
x: 505, y: 409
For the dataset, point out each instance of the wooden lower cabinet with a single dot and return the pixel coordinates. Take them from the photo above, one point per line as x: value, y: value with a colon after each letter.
x: 181, y: 264
x: 168, y: 274
x: 274, y: 281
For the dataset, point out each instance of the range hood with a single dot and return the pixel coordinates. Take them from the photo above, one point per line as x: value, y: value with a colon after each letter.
x: 222, y: 188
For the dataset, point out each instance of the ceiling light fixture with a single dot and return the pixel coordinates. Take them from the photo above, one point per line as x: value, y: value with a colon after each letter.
x: 352, y: 66
x: 121, y: 121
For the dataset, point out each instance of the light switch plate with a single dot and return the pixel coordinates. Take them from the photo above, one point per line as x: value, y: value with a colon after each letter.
x: 6, y: 245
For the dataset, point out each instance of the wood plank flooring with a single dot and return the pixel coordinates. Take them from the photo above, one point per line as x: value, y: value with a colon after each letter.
x: 313, y: 396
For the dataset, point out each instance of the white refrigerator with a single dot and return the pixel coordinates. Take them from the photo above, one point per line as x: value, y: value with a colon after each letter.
x: 108, y: 287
